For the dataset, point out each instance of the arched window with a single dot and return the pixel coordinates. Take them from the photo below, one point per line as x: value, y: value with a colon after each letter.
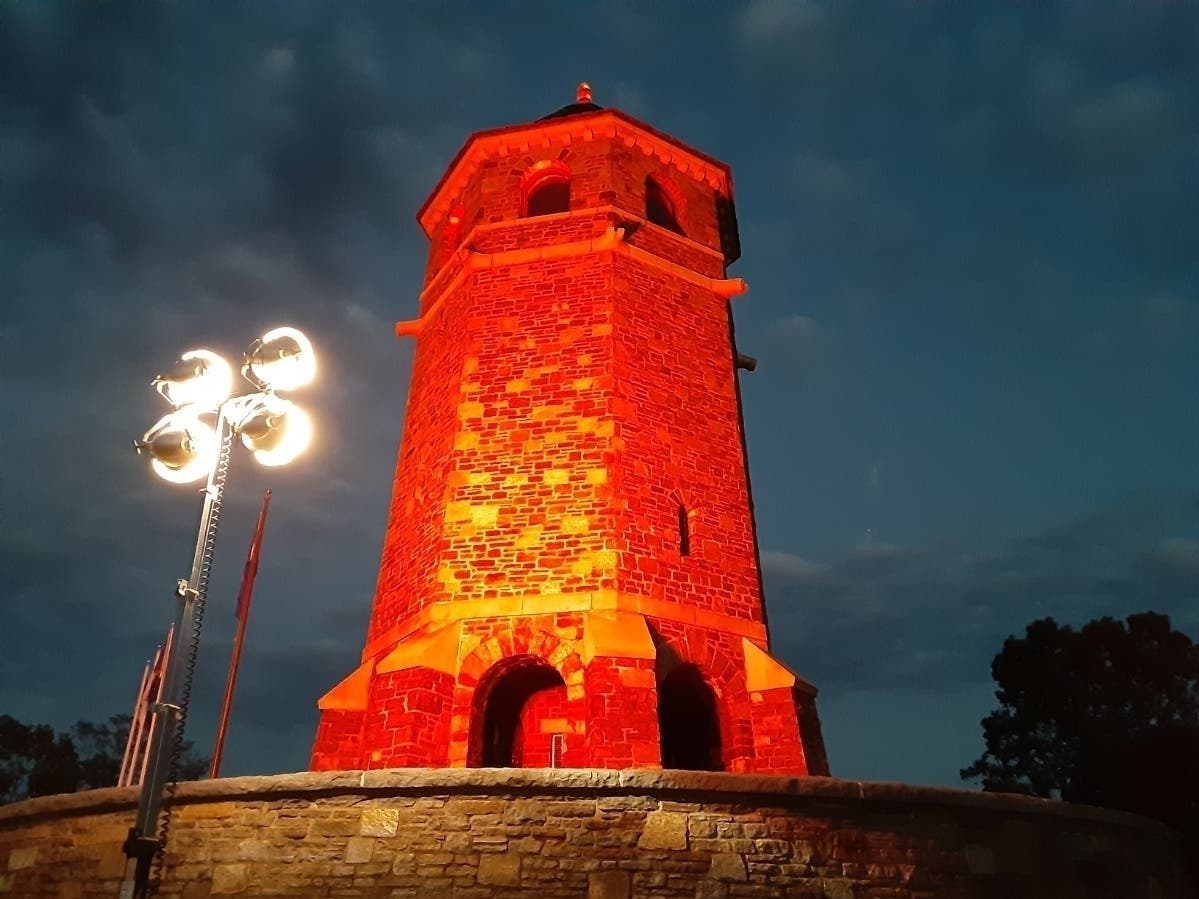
x: 546, y: 190
x: 688, y: 722
x: 662, y: 207
x: 510, y: 704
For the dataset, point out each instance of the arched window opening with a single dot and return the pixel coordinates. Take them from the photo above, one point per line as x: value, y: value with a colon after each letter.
x: 688, y: 722
x: 660, y: 207
x: 684, y: 531
x: 546, y: 190
x: 513, y: 706
x: 549, y: 197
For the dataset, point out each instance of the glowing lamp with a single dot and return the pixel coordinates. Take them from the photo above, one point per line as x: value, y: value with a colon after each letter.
x: 181, y: 448
x: 282, y: 359
x: 276, y: 431
x: 200, y: 377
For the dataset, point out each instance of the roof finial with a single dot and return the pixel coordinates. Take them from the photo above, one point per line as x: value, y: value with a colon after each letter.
x: 583, y: 92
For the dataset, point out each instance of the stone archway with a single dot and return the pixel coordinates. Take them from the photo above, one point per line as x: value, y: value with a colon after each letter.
x: 513, y: 713
x: 688, y: 721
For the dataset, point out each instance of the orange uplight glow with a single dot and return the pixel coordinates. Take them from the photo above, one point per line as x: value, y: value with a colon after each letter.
x: 569, y: 574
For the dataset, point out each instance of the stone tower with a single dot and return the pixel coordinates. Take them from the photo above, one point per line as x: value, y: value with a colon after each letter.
x: 570, y: 571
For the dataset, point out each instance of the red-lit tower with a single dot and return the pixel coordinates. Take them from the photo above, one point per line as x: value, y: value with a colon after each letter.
x: 570, y: 571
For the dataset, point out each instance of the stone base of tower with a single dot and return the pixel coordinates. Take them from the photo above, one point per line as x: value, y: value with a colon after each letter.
x: 606, y: 689
x: 571, y: 834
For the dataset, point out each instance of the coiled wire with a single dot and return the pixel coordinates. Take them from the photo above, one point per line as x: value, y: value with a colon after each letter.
x: 220, y: 473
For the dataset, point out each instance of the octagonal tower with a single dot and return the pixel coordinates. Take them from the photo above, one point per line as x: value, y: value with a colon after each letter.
x: 570, y: 571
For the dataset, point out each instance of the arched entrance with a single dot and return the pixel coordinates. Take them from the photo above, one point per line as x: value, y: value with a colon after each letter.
x: 688, y: 722
x: 513, y: 715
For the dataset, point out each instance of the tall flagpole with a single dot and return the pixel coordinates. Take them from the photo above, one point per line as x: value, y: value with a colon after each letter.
x: 133, y: 741
x: 243, y: 614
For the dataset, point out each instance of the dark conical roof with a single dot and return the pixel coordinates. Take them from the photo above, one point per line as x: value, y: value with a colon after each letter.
x: 582, y: 104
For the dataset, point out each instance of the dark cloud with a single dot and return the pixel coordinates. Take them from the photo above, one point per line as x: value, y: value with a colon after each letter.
x: 887, y: 617
x: 997, y: 162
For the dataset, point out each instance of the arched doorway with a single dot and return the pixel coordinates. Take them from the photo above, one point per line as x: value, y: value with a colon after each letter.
x: 512, y: 705
x: 688, y: 722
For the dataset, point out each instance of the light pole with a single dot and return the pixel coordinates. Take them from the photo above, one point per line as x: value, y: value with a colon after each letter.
x: 183, y: 447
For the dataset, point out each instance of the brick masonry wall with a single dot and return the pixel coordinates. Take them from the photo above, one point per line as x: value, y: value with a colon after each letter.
x: 585, y: 834
x: 407, y: 572
x: 680, y: 443
x: 528, y: 508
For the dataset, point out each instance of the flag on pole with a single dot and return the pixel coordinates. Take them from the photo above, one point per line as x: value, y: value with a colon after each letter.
x: 251, y: 570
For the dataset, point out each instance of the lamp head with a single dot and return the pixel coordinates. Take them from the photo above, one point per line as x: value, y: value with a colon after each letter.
x: 200, y: 377
x: 181, y: 447
x: 275, y: 430
x: 281, y: 359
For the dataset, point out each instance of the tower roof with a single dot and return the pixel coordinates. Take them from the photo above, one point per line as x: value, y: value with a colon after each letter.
x: 581, y: 104
x: 583, y: 120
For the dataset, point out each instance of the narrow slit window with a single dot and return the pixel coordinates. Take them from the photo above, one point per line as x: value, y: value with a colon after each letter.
x: 684, y: 532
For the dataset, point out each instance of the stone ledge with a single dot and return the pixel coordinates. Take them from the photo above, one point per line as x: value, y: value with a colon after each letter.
x: 760, y: 790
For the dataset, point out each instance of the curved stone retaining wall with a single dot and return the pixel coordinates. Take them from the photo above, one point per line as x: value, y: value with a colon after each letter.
x: 478, y: 834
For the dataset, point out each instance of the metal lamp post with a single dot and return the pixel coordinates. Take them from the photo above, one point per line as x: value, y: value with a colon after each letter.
x: 183, y: 448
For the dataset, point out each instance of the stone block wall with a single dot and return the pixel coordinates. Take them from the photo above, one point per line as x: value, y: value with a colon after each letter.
x: 589, y: 834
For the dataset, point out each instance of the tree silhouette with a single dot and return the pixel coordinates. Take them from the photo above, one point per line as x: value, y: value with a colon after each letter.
x: 37, y: 761
x: 1107, y: 715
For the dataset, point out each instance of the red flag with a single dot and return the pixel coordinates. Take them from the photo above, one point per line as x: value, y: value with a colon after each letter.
x: 251, y: 571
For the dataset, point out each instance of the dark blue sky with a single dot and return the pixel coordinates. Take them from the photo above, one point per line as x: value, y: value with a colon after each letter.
x: 971, y: 232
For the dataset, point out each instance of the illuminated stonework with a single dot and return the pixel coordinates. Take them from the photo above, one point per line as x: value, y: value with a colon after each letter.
x: 570, y: 570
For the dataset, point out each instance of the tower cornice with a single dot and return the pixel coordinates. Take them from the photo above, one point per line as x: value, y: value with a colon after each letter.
x: 465, y: 261
x: 606, y: 124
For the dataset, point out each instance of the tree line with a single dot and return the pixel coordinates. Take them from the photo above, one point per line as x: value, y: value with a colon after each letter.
x: 36, y: 760
x: 1105, y: 715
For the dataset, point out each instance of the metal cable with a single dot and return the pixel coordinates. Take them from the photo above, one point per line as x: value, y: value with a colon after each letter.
x: 193, y: 648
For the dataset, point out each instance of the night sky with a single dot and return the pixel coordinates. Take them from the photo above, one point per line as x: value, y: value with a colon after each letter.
x: 971, y: 234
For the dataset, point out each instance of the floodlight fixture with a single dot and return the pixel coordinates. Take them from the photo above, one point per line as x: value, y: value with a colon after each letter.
x: 180, y: 446
x: 281, y: 359
x: 275, y: 430
x: 200, y: 378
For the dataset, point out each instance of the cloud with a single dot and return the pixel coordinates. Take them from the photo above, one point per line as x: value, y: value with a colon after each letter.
x: 156, y: 201
x: 931, y: 618
x: 633, y: 99
x: 799, y: 328
x: 1170, y: 320
x: 798, y: 346
x: 787, y: 565
x: 771, y: 20
x: 1052, y: 100
x: 839, y: 179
